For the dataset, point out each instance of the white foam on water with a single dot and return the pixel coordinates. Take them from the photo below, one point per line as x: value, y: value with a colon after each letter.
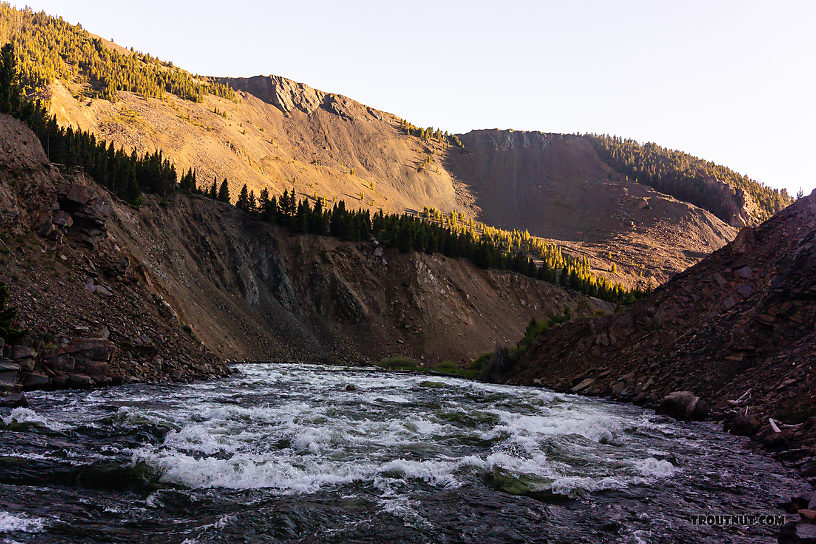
x: 403, y: 507
x: 20, y: 522
x: 434, y: 472
x: 197, y: 438
x: 286, y: 473
x: 312, y: 433
x: 657, y: 468
x: 27, y: 415
x: 569, y: 485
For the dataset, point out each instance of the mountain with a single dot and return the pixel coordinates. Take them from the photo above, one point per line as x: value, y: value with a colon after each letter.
x: 169, y: 289
x: 738, y: 330
x: 271, y: 132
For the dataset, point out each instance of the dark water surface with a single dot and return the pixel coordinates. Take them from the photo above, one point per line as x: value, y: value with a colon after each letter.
x: 305, y: 453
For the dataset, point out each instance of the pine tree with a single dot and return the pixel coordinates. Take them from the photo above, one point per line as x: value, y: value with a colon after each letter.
x: 223, y: 192
x: 9, y: 82
x: 243, y: 199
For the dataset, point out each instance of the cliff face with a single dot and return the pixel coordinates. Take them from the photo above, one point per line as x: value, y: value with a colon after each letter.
x: 738, y: 329
x: 556, y: 186
x: 114, y: 293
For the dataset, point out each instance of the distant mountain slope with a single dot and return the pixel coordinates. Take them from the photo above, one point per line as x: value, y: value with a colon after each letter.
x: 734, y: 198
x: 271, y: 132
x: 556, y: 186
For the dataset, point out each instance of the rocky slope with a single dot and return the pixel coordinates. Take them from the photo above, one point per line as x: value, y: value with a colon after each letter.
x: 278, y: 135
x: 83, y: 298
x: 115, y: 293
x: 738, y: 330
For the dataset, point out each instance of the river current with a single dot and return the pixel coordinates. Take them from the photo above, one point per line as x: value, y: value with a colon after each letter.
x: 307, y: 453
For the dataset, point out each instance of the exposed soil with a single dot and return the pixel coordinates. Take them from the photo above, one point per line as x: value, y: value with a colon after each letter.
x: 556, y: 186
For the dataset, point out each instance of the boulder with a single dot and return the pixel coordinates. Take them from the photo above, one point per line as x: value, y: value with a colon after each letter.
x: 95, y: 349
x: 96, y: 370
x: 683, y: 405
x: 48, y: 230
x: 79, y: 194
x: 745, y: 273
x: 744, y: 425
x: 12, y: 400
x: 808, y: 514
x: 21, y: 352
x: 8, y: 372
x: 80, y: 380
x: 797, y: 533
x: 102, y: 290
x: 583, y: 385
x: 62, y: 219
x: 61, y: 363
x: 26, y: 364
x: 35, y: 380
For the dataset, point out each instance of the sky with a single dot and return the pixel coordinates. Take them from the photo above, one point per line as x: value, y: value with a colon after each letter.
x: 728, y: 81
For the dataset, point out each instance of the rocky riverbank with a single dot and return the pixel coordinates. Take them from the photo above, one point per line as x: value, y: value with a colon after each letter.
x: 732, y: 338
x: 87, y: 309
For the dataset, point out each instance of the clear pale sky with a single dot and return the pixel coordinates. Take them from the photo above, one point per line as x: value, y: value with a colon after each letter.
x: 729, y: 81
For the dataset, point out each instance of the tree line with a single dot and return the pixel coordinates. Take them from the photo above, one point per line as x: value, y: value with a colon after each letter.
x: 48, y: 48
x: 126, y: 175
x: 408, y: 232
x: 684, y: 176
x: 431, y: 133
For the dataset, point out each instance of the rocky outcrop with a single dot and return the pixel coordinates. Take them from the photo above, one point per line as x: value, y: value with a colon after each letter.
x: 285, y: 94
x: 74, y: 362
x: 682, y: 405
x: 290, y: 96
x: 737, y: 207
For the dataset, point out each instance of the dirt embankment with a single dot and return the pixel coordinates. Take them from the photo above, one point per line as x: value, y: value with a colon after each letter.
x: 86, y: 302
x: 738, y: 330
x: 113, y: 293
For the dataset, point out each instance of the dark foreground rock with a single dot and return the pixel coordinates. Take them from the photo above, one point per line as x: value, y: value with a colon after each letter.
x: 683, y: 405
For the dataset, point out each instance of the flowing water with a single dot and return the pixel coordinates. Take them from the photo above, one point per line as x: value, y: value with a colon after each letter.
x: 306, y: 453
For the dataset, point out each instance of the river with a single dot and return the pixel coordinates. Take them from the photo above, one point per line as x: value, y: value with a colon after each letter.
x: 308, y: 453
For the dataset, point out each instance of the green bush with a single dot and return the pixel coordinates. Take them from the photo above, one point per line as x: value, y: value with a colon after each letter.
x: 399, y: 363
